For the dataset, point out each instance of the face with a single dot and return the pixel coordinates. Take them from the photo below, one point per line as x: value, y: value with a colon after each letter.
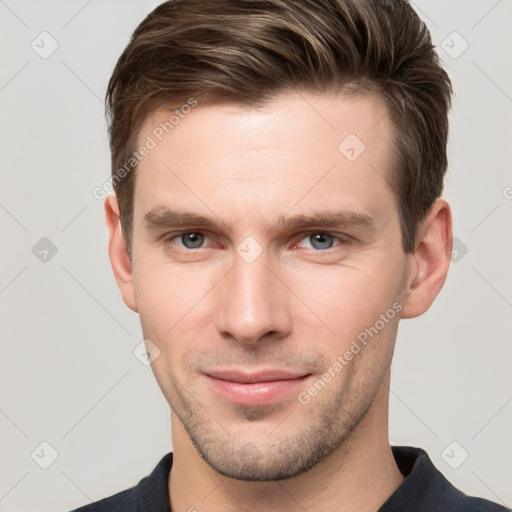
x: 268, y: 269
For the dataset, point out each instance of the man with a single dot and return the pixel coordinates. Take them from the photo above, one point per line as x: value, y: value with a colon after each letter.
x: 278, y: 167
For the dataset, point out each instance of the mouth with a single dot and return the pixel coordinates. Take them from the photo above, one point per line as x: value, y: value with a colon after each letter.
x: 262, y: 387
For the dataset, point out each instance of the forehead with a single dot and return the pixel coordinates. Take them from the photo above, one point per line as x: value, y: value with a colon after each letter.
x: 299, y: 151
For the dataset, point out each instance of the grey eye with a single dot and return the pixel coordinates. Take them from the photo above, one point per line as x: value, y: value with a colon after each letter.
x: 321, y: 241
x: 192, y: 240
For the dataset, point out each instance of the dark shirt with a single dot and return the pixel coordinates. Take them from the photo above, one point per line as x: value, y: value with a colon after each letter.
x: 424, y: 489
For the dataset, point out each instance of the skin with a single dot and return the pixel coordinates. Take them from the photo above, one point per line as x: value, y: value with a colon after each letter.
x: 297, y: 306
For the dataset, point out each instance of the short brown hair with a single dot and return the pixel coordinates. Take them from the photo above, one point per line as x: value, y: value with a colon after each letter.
x: 246, y: 51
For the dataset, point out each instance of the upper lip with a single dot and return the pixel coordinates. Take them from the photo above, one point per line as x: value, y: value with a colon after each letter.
x: 246, y: 377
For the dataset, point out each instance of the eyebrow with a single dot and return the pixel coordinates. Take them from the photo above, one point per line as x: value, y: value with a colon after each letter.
x: 326, y: 219
x: 163, y: 217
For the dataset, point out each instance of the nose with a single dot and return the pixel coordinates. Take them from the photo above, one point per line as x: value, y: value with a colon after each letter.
x: 252, y: 303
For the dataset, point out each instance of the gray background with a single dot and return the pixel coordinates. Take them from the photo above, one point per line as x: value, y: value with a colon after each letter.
x: 68, y: 374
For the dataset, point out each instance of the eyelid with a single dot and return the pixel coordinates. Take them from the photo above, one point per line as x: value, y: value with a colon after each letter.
x: 167, y: 238
x: 341, y: 237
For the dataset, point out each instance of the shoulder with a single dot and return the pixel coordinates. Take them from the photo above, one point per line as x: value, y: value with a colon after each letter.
x: 151, y: 493
x: 426, y: 489
x: 455, y: 500
x: 125, y: 501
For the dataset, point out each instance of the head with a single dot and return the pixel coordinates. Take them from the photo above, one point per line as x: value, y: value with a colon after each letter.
x: 278, y: 212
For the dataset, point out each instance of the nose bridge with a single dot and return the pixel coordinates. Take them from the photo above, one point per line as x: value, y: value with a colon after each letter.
x: 251, y: 303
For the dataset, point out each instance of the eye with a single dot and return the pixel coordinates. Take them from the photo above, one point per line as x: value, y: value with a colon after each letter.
x: 319, y: 241
x: 190, y: 239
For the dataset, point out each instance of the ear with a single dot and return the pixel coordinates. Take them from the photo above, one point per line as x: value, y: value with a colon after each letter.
x: 429, y: 261
x: 119, y: 258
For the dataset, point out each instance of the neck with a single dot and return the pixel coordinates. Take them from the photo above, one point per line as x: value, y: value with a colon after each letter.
x: 359, y: 475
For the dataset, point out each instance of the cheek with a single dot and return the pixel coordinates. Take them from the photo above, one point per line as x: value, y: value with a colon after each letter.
x: 157, y: 301
x: 171, y: 300
x: 347, y: 300
x: 167, y: 300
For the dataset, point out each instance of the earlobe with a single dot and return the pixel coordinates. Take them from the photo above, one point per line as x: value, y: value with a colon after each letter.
x: 118, y: 253
x: 430, y: 260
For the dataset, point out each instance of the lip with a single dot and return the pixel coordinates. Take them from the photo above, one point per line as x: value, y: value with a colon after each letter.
x: 262, y: 387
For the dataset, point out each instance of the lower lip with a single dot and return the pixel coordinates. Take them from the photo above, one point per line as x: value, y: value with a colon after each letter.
x: 257, y: 393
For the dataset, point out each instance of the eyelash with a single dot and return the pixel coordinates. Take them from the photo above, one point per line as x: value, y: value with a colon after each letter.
x: 342, y: 239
